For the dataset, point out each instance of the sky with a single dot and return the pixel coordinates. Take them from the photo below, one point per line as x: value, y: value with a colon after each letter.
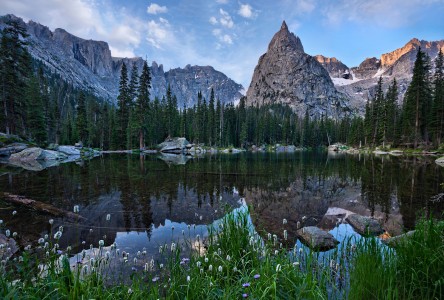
x: 231, y: 35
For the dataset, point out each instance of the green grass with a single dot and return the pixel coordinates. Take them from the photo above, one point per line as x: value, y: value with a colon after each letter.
x: 235, y: 262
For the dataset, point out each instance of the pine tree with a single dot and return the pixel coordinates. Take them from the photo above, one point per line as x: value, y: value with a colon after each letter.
x: 35, y: 115
x: 437, y: 119
x: 143, y: 103
x: 124, y: 106
x: 416, y: 101
x: 15, y: 69
x: 391, y: 108
x: 81, y: 119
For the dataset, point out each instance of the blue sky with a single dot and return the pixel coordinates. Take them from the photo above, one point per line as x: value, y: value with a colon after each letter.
x: 230, y: 35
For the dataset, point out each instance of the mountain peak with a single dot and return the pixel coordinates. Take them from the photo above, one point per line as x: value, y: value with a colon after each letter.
x: 284, y: 26
x: 284, y: 41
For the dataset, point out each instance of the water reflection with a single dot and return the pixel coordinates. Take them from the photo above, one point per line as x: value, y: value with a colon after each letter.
x: 145, y: 196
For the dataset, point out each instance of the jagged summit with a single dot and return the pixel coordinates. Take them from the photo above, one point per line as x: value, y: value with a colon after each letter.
x: 284, y: 40
x: 287, y: 75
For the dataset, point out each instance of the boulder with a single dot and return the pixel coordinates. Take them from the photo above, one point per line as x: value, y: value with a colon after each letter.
x: 440, y: 161
x: 69, y: 150
x: 27, y: 154
x: 12, y: 148
x: 365, y: 225
x: 316, y: 238
x: 174, y: 145
x: 174, y: 159
x: 393, y: 241
x: 35, y: 153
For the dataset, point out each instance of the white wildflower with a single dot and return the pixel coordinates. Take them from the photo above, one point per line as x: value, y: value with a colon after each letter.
x: 51, y: 221
x: 220, y: 269
x: 285, y: 235
x: 76, y: 209
x: 284, y: 221
x: 58, y: 235
x: 278, y: 268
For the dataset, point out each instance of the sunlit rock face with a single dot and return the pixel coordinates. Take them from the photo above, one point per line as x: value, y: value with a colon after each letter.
x: 287, y: 75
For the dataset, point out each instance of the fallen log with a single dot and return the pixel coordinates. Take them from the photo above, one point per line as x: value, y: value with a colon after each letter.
x: 41, y: 206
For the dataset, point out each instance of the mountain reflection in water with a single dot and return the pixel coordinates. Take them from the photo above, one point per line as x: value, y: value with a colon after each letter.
x: 145, y: 197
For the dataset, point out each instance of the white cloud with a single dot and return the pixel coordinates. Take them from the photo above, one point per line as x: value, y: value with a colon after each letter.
x: 225, y: 19
x: 246, y: 11
x: 159, y: 34
x: 213, y: 20
x: 305, y: 6
x: 222, y: 1
x: 223, y: 38
x: 155, y: 9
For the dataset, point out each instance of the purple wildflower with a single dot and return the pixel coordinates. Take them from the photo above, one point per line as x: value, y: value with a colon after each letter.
x: 247, y: 284
x: 155, y: 279
x: 245, y: 295
x: 257, y: 276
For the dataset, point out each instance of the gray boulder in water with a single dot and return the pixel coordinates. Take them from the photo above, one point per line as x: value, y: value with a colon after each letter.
x: 174, y: 145
x: 316, y: 238
x: 365, y: 225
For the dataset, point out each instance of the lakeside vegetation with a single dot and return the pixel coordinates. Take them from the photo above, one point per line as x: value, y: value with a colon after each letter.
x: 234, y: 261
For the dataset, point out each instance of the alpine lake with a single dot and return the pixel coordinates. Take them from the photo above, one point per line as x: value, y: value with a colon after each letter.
x: 145, y: 201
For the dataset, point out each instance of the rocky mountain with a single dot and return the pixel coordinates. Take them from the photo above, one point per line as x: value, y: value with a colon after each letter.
x: 396, y: 64
x: 286, y: 74
x: 88, y: 64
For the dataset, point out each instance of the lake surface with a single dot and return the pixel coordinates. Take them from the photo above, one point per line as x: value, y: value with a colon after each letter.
x: 146, y: 196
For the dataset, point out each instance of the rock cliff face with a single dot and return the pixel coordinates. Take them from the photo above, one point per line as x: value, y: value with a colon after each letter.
x: 334, y: 67
x: 88, y: 65
x: 287, y: 75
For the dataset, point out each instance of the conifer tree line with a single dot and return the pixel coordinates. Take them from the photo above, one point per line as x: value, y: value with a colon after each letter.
x: 42, y: 108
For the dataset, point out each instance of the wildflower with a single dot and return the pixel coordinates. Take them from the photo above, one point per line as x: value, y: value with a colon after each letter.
x: 61, y: 228
x: 298, y: 225
x: 188, y: 278
x: 20, y: 258
x: 108, y: 217
x: 206, y: 259
x: 139, y: 253
x: 58, y: 235
x: 1, y: 222
x: 210, y: 268
x: 134, y: 269
x: 228, y: 258
x: 46, y: 236
x: 257, y: 276
x: 68, y: 249
x: 156, y: 278
x: 201, y: 271
x: 276, y: 252
x: 278, y: 268
x: 152, y: 264
x: 189, y: 226
x: 147, y: 267
x: 198, y: 264
x: 284, y: 221
x: 144, y: 252
x: 235, y: 269
x: 47, y: 253
x: 46, y: 245
x: 220, y: 269
x: 161, y: 266
x: 83, y: 242
x: 173, y: 247
x: 7, y: 233
x: 247, y: 284
x: 76, y: 209
x: 200, y: 218
x: 51, y: 221
x: 14, y: 212
x: 245, y: 295
x: 275, y: 238
x: 27, y: 248
x: 90, y: 230
x: 160, y: 249
x: 332, y: 264
x: 251, y: 241
x: 285, y: 235
x: 269, y: 236
x: 219, y: 251
x: 56, y: 246
x: 14, y: 234
x: 130, y: 291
